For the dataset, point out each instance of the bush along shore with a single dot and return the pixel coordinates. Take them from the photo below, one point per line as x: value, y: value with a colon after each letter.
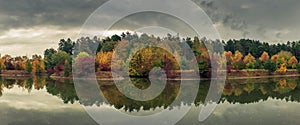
x: 244, y: 58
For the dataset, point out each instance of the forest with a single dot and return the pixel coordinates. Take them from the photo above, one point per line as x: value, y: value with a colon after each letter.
x: 240, y: 55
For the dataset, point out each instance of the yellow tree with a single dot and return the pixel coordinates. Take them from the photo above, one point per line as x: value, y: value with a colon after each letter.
x: 237, y: 60
x: 228, y: 56
x: 103, y: 60
x: 38, y: 66
x: 42, y: 66
x: 2, y: 64
x: 249, y: 59
x: 275, y: 58
x: 282, y: 68
x: 35, y: 65
x: 293, y: 62
x: 264, y: 57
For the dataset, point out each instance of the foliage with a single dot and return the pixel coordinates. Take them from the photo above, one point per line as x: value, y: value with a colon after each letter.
x: 249, y: 59
x: 108, y: 46
x: 67, y: 69
x: 147, y: 58
x: 293, y: 62
x: 258, y: 64
x: 38, y: 66
x: 49, y: 66
x: 250, y: 65
x: 66, y: 46
x: 264, y: 57
x: 285, y: 55
x: 58, y: 61
x: 228, y: 56
x: 84, y: 66
x: 275, y: 58
x: 103, y: 61
x: 82, y: 54
x: 237, y: 60
x: 282, y: 68
x: 270, y: 66
x: 28, y: 66
x: 60, y: 57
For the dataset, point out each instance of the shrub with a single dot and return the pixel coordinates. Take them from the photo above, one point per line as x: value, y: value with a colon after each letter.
x: 250, y: 65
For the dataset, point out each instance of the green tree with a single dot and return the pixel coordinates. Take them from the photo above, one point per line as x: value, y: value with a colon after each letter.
x: 108, y: 46
x: 28, y: 66
x: 270, y: 66
x: 66, y: 46
x: 48, y: 57
x: 60, y: 57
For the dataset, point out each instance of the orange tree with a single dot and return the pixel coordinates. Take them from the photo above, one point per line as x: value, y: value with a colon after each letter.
x: 292, y: 63
x: 264, y: 57
x: 249, y: 60
x: 237, y: 60
x: 148, y: 58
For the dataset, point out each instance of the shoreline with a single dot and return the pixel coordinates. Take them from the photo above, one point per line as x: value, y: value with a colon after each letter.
x: 106, y: 75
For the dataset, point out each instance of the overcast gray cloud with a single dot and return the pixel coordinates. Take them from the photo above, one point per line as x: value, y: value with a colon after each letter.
x: 268, y: 20
x: 28, y: 13
x: 46, y: 21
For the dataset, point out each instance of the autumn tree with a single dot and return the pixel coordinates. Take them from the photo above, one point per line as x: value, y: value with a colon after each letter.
x: 275, y: 58
x: 264, y: 57
x: 58, y: 60
x: 285, y: 54
x: 228, y: 56
x: 147, y: 58
x: 249, y: 59
x: 103, y: 61
x: 237, y: 60
x: 292, y: 63
x: 283, y: 68
x: 38, y: 66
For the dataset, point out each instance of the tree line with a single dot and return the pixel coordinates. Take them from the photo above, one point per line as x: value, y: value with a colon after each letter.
x: 240, y: 54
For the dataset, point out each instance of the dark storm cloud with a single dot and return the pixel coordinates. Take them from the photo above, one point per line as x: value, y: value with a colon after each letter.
x: 258, y: 19
x: 28, y: 13
x: 218, y: 15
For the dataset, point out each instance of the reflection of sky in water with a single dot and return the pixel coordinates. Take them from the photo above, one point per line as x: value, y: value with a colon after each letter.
x: 18, y: 107
x: 271, y: 112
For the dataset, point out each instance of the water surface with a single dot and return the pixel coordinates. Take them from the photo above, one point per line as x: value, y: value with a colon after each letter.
x: 45, y: 101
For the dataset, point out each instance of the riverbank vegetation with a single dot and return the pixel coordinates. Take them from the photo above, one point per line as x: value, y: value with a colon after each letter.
x: 240, y: 54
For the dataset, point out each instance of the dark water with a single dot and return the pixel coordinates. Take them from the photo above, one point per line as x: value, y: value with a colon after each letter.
x: 44, y: 101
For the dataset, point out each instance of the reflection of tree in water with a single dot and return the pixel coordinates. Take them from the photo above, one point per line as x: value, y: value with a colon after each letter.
x: 64, y: 89
x: 120, y: 101
x: 284, y: 89
x: 234, y: 92
x: 10, y: 83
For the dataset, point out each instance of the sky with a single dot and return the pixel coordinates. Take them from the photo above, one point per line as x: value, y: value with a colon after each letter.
x: 29, y: 27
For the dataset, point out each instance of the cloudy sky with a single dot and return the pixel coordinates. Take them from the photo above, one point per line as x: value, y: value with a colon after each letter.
x: 30, y: 26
